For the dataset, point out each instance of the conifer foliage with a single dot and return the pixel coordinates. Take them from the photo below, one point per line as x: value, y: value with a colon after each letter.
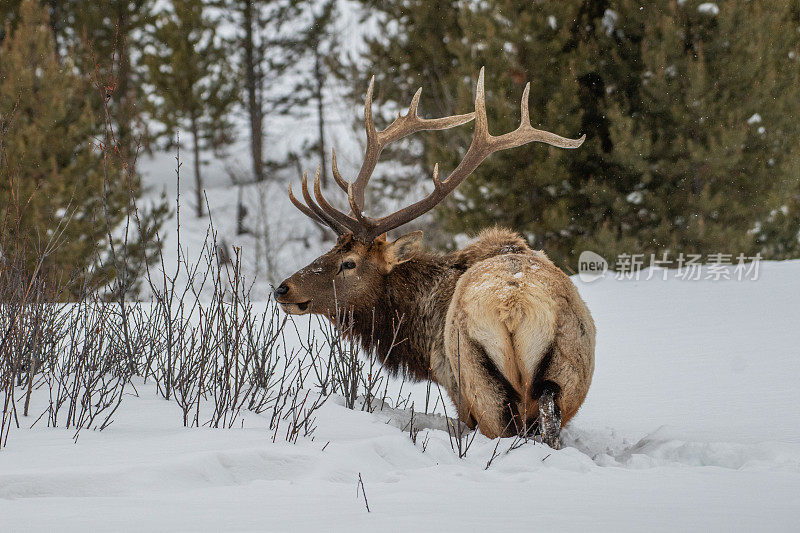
x: 61, y: 197
x: 689, y: 110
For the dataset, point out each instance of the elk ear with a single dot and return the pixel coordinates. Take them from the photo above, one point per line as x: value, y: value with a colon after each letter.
x: 402, y: 249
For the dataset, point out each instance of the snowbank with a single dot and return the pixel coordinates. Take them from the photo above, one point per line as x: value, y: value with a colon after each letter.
x: 691, y: 424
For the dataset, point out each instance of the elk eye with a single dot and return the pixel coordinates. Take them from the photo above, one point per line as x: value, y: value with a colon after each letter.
x: 348, y: 265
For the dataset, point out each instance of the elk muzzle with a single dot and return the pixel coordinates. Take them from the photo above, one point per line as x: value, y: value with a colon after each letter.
x: 290, y: 302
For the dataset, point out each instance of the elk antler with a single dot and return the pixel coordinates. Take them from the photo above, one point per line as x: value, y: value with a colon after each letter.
x: 483, y: 144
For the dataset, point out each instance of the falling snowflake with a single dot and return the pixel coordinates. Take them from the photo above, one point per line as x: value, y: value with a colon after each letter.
x: 709, y: 8
x: 635, y: 197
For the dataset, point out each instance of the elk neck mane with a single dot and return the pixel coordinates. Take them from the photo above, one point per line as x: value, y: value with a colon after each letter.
x: 396, y: 328
x: 401, y: 327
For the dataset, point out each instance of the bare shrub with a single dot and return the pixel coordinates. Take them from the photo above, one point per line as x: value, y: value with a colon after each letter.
x: 341, y: 367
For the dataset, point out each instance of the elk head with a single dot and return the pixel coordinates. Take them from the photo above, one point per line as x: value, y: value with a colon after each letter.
x: 353, y: 273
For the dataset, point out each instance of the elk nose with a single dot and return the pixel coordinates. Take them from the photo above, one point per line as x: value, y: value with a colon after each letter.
x: 281, y: 290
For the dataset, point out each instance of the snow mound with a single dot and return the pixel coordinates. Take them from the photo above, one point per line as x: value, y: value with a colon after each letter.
x: 691, y: 424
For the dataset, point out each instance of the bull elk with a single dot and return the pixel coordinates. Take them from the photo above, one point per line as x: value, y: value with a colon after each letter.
x: 497, y: 324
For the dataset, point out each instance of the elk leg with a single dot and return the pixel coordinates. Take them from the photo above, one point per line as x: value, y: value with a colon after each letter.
x: 442, y: 374
x: 484, y: 393
x: 549, y: 414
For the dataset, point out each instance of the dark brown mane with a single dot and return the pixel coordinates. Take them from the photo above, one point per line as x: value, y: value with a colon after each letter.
x: 392, y: 328
x: 415, y: 301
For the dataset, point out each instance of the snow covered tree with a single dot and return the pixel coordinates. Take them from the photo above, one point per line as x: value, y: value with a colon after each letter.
x: 263, y: 46
x: 319, y: 45
x: 713, y: 129
x: 194, y: 84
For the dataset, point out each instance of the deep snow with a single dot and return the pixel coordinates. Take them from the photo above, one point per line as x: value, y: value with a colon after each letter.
x: 692, y: 423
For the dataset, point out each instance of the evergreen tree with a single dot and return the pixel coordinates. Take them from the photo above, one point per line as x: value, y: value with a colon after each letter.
x: 713, y: 131
x: 100, y: 37
x: 194, y: 85
x: 60, y: 198
x: 668, y: 94
x: 58, y: 17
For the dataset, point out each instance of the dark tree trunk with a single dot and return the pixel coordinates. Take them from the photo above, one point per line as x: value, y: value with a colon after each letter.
x: 198, y: 180
x: 253, y: 102
x: 319, y: 79
x: 241, y: 212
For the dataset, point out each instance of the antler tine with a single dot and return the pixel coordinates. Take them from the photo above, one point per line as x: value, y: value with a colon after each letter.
x: 483, y: 144
x: 369, y: 123
x: 481, y: 122
x: 412, y: 109
x: 330, y: 222
x: 402, y: 126
x: 526, y: 133
x: 304, y: 209
x: 336, y: 175
x: 348, y: 188
x: 436, y: 183
x: 373, y: 148
x: 329, y: 210
x: 525, y: 116
x: 364, y: 221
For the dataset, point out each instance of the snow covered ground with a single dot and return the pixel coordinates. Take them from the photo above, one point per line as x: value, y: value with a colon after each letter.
x: 692, y: 423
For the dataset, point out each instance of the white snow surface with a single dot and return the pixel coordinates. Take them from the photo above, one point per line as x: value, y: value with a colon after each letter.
x: 691, y: 424
x: 709, y: 8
